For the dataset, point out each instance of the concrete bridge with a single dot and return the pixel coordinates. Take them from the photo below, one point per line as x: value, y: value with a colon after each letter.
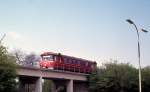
x: 73, y: 82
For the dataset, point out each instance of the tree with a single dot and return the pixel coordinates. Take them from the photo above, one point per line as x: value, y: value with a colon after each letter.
x: 25, y: 59
x: 7, y: 71
x: 93, y: 79
x: 31, y: 59
x: 146, y: 79
x: 20, y: 56
x: 47, y: 85
x: 116, y: 77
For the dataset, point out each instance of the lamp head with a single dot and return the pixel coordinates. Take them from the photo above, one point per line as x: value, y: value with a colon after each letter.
x: 130, y: 21
x: 144, y: 30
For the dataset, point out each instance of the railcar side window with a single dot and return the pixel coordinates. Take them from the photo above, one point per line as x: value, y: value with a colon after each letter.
x: 87, y: 64
x: 70, y: 61
x: 65, y: 60
x: 82, y: 63
x: 78, y: 62
x: 74, y: 61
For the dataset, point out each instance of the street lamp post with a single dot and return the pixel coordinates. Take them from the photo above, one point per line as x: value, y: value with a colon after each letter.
x: 138, y: 36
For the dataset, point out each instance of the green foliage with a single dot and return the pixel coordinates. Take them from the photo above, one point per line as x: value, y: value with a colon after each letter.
x: 7, y: 71
x: 93, y: 79
x: 146, y: 79
x: 114, y: 77
x: 46, y: 86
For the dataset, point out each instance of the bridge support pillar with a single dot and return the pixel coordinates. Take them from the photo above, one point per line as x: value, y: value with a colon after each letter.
x: 70, y: 86
x: 38, y: 85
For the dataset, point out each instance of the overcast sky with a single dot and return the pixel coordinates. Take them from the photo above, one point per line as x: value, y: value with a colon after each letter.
x: 90, y: 29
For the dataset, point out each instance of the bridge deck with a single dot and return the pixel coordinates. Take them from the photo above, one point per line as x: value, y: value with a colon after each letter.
x: 49, y: 73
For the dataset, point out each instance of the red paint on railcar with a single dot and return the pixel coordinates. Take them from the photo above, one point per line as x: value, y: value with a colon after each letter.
x: 58, y: 61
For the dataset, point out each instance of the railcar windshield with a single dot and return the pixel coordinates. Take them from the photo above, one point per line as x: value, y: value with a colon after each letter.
x: 47, y: 57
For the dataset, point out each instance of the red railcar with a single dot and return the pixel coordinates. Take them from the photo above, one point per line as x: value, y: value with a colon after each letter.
x: 58, y: 61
